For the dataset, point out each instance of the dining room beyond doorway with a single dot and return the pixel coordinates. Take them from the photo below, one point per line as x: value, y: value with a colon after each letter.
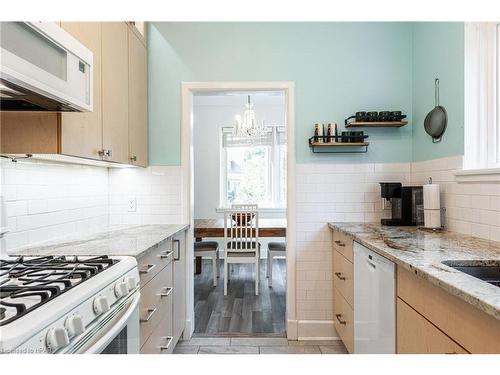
x: 240, y: 160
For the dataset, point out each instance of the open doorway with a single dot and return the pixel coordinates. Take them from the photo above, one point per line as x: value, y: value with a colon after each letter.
x: 232, y: 166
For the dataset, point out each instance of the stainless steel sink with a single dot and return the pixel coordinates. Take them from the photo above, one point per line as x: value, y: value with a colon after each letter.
x: 486, y: 270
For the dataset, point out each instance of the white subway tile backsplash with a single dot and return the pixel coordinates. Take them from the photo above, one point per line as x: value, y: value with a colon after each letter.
x: 471, y: 208
x: 326, y: 193
x: 46, y: 201
x: 157, y: 191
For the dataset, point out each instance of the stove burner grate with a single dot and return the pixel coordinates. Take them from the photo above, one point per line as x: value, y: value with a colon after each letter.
x: 28, y: 283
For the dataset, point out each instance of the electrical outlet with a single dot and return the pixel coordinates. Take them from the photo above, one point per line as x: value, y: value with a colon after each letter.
x: 132, y: 204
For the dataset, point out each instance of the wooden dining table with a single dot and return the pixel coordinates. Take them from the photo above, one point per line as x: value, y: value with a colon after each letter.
x: 204, y: 228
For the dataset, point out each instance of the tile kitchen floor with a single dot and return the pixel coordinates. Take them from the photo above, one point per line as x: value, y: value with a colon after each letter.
x: 257, y: 345
x: 241, y: 312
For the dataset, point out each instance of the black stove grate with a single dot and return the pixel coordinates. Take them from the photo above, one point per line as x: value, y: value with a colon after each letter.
x: 42, y: 279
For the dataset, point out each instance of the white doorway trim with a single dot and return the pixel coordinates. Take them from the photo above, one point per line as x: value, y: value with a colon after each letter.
x: 188, y: 89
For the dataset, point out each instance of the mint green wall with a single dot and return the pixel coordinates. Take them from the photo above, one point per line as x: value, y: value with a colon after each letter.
x: 438, y: 52
x: 164, y: 70
x: 337, y: 68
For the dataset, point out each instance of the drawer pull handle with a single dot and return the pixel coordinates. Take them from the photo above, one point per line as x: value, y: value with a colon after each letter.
x: 178, y: 242
x: 166, y: 254
x: 339, y: 275
x: 169, y: 340
x: 148, y: 269
x: 150, y: 314
x: 343, y: 322
x: 340, y: 243
x: 167, y: 291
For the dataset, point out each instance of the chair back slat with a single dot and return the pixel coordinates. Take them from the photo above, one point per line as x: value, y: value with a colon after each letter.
x: 241, y: 229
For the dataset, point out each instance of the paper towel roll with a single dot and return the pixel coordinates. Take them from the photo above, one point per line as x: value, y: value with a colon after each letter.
x: 431, y: 197
x: 432, y: 219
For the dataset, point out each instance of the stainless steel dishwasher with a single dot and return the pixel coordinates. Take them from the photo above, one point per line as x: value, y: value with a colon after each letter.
x: 374, y: 303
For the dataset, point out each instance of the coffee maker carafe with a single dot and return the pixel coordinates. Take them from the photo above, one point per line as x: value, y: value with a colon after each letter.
x: 404, y: 202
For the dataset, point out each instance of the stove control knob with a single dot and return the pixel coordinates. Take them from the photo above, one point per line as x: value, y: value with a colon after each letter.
x: 57, y: 338
x: 131, y: 282
x: 101, y: 305
x: 121, y: 289
x: 74, y: 325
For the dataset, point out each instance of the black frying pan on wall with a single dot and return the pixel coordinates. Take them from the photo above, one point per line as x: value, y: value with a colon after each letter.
x: 436, y: 120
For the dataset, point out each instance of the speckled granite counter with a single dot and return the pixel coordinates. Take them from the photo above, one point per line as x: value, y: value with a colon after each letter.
x: 423, y: 252
x: 132, y: 241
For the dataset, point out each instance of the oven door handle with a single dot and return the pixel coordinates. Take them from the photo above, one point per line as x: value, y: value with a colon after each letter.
x: 109, y: 330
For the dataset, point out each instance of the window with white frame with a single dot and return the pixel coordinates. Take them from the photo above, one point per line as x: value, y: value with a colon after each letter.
x: 253, y: 170
x: 482, y: 99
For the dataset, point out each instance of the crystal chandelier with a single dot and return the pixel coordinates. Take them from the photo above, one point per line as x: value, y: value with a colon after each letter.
x: 247, y: 126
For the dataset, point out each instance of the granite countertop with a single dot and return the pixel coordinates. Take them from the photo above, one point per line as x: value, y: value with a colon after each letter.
x: 423, y: 252
x: 132, y: 241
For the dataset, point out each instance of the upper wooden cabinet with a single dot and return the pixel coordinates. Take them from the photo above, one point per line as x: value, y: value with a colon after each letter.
x: 81, y: 134
x: 116, y: 129
x: 137, y: 100
x: 115, y: 91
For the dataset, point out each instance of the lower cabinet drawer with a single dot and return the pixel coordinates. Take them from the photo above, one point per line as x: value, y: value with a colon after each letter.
x: 155, y: 260
x: 473, y: 329
x: 416, y: 335
x: 344, y: 320
x: 343, y: 244
x: 343, y: 281
x: 156, y: 302
x: 161, y: 340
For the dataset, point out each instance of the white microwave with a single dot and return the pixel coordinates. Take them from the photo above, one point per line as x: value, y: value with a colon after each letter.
x: 43, y: 68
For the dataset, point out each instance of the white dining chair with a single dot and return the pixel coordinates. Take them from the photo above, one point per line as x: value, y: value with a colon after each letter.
x: 209, y: 249
x: 241, y: 241
x: 274, y: 249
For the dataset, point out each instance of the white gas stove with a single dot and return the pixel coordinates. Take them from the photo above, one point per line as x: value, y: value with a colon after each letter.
x: 69, y: 304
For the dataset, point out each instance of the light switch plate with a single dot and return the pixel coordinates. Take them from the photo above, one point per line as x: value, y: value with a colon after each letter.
x: 132, y: 204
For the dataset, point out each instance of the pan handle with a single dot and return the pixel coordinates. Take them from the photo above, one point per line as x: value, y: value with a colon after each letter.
x: 436, y: 92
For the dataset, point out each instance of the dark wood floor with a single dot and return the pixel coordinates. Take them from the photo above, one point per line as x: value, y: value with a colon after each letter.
x: 241, y: 312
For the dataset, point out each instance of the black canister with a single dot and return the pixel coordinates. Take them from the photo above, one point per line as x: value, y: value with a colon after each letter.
x: 372, y: 116
x: 361, y: 116
x: 385, y: 116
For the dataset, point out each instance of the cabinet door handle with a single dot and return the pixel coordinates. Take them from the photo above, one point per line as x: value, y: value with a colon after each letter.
x: 133, y: 158
x: 338, y: 316
x: 340, y: 243
x: 339, y: 275
x: 166, y: 293
x: 148, y: 269
x: 166, y: 254
x: 150, y: 314
x: 178, y: 242
x: 169, y: 340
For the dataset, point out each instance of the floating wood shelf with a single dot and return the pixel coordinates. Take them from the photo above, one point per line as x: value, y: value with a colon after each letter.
x: 340, y: 144
x: 344, y: 147
x: 382, y: 124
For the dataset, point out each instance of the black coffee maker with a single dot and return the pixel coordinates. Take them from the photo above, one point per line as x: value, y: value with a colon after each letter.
x: 404, y: 202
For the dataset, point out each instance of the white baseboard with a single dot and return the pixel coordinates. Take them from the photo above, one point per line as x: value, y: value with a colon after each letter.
x: 316, y: 330
x: 188, y: 330
x: 291, y: 329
